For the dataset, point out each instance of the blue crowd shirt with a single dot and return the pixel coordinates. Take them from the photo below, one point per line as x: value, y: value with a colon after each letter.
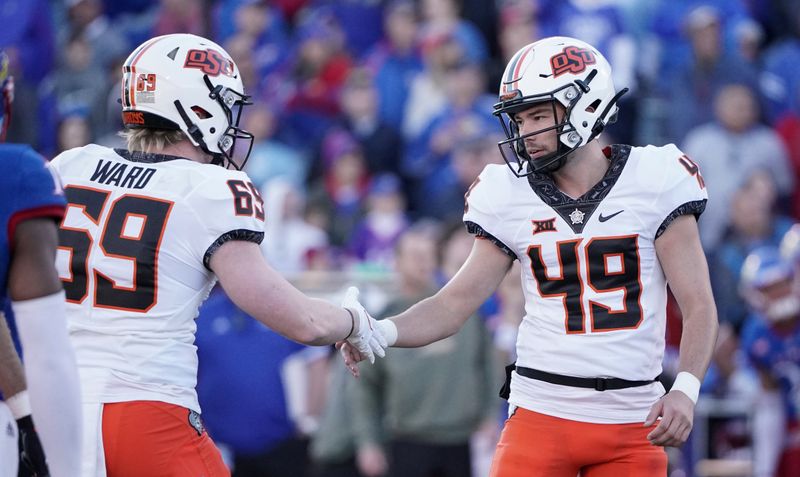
x: 239, y: 381
x: 776, y: 354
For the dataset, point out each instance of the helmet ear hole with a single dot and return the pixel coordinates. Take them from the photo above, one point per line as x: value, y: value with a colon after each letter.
x: 593, y: 107
x: 201, y: 113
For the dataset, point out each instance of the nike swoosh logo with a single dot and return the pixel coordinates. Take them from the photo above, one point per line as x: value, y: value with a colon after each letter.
x: 603, y: 218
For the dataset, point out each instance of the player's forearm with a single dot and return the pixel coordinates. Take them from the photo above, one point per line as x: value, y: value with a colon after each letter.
x: 52, y: 380
x: 310, y: 321
x: 698, y: 337
x: 267, y: 296
x: 443, y: 314
x: 432, y: 319
x: 328, y: 323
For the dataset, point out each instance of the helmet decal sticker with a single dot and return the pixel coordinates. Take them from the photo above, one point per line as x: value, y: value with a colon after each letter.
x: 210, y: 62
x: 510, y: 82
x: 572, y: 60
x: 145, y: 88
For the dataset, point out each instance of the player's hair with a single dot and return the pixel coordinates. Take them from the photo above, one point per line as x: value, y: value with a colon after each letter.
x: 151, y: 140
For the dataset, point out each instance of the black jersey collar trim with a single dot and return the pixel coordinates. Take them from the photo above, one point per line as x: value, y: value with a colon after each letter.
x: 585, y: 205
x: 148, y: 157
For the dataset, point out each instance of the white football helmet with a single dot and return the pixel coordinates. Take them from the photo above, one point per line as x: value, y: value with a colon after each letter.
x: 187, y: 82
x: 561, y: 69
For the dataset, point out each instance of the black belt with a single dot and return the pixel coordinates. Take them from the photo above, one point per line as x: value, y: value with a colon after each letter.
x: 598, y: 384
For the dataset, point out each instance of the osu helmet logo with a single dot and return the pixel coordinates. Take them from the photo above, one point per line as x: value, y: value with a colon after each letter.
x: 571, y: 60
x: 210, y: 62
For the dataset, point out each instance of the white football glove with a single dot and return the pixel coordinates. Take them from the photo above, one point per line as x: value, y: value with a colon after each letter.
x: 368, y: 339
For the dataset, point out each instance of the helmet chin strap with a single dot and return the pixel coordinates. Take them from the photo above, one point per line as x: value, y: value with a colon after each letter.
x: 599, y: 126
x: 558, y: 159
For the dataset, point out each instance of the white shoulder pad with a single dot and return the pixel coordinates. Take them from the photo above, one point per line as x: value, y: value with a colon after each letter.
x: 68, y: 157
x: 230, y: 207
x: 481, y: 199
x: 483, y: 205
x: 675, y: 180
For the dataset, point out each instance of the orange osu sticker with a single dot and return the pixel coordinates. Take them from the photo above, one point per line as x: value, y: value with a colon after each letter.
x: 572, y: 60
x: 210, y: 62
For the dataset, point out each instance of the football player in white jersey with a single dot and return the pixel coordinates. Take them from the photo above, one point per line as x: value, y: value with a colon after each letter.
x: 147, y: 232
x: 600, y: 233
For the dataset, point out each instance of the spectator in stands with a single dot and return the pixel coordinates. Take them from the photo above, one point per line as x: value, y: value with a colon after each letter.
x: 374, y: 240
x: 74, y: 130
x: 519, y: 26
x: 788, y: 128
x: 241, y: 49
x: 754, y: 223
x: 360, y: 21
x: 428, y: 158
x: 80, y: 84
x: 445, y: 15
x: 342, y: 186
x: 180, y: 16
x: 728, y: 150
x: 781, y: 77
x: 288, y: 236
x: 771, y: 339
x: 697, y: 80
x: 395, y: 60
x: 749, y: 39
x: 268, y: 408
x: 427, y: 95
x: 271, y: 157
x: 88, y: 21
x: 668, y: 22
x: 264, y: 27
x: 474, y: 146
x: 333, y: 446
x: 380, y: 141
x: 417, y: 410
x: 315, y: 74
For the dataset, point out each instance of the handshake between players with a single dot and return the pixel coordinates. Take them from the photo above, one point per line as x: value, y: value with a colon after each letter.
x: 369, y: 338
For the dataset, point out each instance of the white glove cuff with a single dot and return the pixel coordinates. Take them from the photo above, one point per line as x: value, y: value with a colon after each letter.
x: 389, y: 331
x: 352, y: 322
x: 19, y: 404
x: 688, y: 384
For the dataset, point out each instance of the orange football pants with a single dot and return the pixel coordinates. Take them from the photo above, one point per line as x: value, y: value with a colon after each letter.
x: 156, y: 439
x: 538, y: 445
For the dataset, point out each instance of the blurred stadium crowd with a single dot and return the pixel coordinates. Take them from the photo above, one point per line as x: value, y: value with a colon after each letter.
x: 371, y: 119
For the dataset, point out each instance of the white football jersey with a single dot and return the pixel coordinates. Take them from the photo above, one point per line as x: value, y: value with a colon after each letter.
x: 133, y: 256
x: 595, y: 293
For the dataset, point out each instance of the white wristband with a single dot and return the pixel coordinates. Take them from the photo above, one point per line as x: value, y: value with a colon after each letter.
x: 19, y: 404
x: 389, y: 331
x: 688, y: 384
